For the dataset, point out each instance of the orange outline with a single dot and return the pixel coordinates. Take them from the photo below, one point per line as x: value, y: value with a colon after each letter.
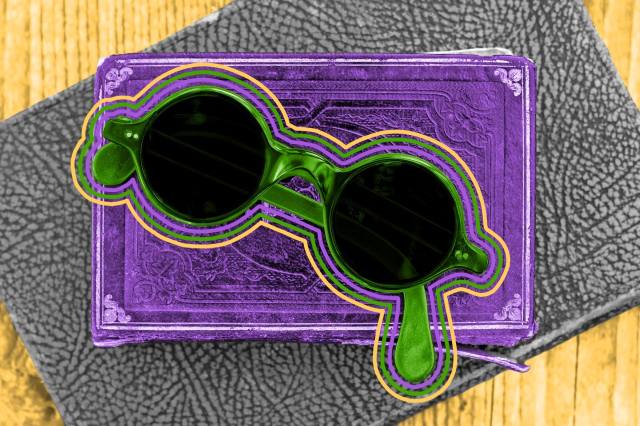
x: 302, y: 240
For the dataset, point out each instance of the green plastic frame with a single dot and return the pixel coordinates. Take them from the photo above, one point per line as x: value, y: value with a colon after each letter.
x: 414, y: 353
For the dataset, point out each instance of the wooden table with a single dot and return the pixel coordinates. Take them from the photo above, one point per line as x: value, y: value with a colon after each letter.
x: 600, y: 369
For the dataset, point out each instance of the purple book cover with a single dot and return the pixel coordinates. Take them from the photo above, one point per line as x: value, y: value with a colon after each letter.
x: 262, y: 287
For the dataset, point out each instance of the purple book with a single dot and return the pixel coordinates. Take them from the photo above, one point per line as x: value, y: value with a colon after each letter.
x: 262, y: 287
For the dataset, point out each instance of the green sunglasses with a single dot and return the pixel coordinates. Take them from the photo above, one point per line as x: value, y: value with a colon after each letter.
x: 394, y: 222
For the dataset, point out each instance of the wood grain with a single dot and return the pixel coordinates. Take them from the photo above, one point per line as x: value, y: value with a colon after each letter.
x: 46, y: 46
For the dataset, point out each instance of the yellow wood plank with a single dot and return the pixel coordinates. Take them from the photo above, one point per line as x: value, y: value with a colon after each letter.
x: 72, y: 41
x: 533, y: 392
x: 595, y: 374
x: 596, y: 10
x: 453, y: 411
x: 126, y: 21
x: 23, y: 397
x: 91, y: 48
x: 50, y: 56
x: 497, y: 401
x: 559, y: 391
x: 3, y: 35
x: 58, y: 71
x: 624, y: 393
x: 138, y: 29
x: 634, y: 67
x: 440, y: 414
x: 467, y: 409
x: 617, y: 33
x: 82, y: 29
x: 512, y: 398
x: 15, y: 67
x: 636, y: 371
x: 36, y: 70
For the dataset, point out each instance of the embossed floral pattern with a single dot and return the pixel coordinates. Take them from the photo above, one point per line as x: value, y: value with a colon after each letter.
x: 511, y: 310
x: 115, y: 77
x: 258, y: 263
x: 511, y: 78
x: 166, y: 277
x: 462, y: 122
x: 113, y: 312
x: 462, y: 115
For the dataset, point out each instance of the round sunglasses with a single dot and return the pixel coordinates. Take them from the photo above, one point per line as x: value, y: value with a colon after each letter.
x: 394, y: 222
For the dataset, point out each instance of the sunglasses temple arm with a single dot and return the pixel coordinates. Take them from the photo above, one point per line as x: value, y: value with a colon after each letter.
x: 289, y: 200
x: 481, y: 355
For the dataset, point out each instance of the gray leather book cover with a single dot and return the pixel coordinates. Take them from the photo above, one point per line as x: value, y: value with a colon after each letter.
x: 587, y: 214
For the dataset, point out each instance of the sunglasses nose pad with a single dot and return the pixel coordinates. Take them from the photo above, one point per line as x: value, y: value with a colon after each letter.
x: 112, y: 165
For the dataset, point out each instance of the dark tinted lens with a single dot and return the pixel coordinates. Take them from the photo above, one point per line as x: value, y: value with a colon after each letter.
x: 394, y: 223
x: 203, y: 156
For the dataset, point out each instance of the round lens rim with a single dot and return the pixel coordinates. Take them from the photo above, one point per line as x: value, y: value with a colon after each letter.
x: 400, y: 286
x: 164, y: 207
